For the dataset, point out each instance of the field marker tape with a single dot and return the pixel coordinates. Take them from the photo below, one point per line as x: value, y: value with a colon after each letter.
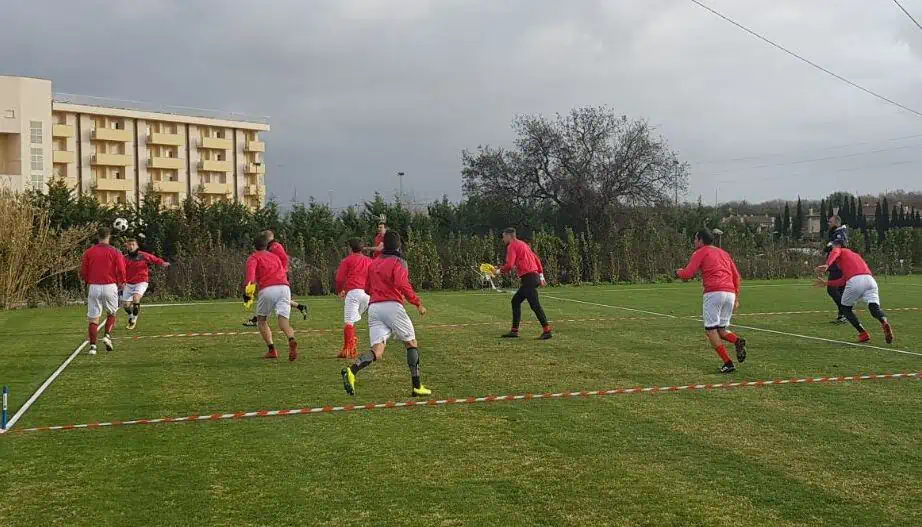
x: 41, y: 389
x: 612, y: 307
x: 472, y: 400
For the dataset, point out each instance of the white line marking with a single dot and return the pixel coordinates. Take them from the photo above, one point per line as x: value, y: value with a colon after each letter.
x: 41, y: 389
x: 146, y: 306
x: 612, y: 307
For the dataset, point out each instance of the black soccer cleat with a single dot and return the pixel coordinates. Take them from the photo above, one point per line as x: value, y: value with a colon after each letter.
x: 839, y: 320
x: 510, y: 335
x: 251, y: 323
x: 728, y: 368
x: 740, y: 349
x: 547, y: 335
x: 303, y: 309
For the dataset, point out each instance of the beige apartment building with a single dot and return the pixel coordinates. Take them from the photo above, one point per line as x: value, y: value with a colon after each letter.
x: 118, y: 153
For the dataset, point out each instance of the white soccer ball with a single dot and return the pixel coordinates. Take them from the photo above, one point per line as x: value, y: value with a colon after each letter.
x: 120, y: 224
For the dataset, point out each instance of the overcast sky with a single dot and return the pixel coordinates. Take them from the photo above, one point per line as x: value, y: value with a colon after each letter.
x: 357, y: 90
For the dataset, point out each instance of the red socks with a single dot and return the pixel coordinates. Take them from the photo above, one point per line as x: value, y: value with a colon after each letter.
x: 730, y: 337
x: 94, y: 331
x: 547, y: 329
x: 110, y: 323
x: 348, y: 335
x: 722, y: 351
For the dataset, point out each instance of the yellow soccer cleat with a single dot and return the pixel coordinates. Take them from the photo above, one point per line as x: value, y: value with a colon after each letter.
x: 422, y: 391
x: 348, y: 380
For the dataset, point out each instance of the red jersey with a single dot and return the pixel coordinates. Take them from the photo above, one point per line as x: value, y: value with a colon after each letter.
x: 102, y: 264
x: 850, y: 262
x: 265, y: 269
x: 136, y: 266
x: 520, y: 257
x: 718, y: 272
x: 278, y: 249
x: 389, y: 281
x: 352, y: 272
x: 379, y: 240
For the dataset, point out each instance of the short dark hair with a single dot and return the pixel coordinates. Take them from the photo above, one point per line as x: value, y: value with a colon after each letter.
x: 391, y: 241
x: 129, y: 240
x: 355, y: 244
x: 102, y: 233
x: 705, y: 236
x: 509, y: 230
x: 261, y: 242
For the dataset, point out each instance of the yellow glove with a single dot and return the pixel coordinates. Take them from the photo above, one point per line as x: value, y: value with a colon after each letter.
x: 248, y: 295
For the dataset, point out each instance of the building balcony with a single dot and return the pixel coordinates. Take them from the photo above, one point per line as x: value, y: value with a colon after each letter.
x: 62, y: 130
x: 170, y: 187
x: 122, y: 185
x: 64, y: 156
x: 111, y: 134
x: 165, y: 139
x: 213, y: 165
x: 216, y: 143
x: 255, y: 146
x: 217, y: 188
x: 172, y: 163
x: 253, y: 168
x: 254, y: 190
x: 115, y: 160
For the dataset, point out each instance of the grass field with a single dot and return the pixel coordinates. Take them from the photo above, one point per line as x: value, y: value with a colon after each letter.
x: 847, y: 453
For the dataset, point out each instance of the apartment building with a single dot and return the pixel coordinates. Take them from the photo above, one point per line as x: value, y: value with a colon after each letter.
x: 119, y: 154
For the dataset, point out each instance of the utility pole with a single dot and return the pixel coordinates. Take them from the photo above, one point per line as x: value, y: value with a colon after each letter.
x: 331, y: 198
x: 400, y: 177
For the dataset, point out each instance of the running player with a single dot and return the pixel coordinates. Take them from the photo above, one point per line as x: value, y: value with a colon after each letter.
x: 351, y: 278
x: 378, y: 247
x: 838, y: 237
x: 859, y: 285
x: 276, y: 248
x: 721, y: 281
x: 103, y: 270
x: 137, y: 275
x: 389, y: 284
x: 521, y: 259
x: 266, y: 271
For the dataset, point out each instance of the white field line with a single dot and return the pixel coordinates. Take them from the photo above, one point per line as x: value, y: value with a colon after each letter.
x: 612, y: 307
x: 41, y: 389
x: 833, y: 341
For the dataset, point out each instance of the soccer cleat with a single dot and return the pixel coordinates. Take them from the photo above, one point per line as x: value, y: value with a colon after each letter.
x: 510, y: 335
x: 302, y: 308
x: 271, y: 354
x: 740, y: 349
x: 888, y: 332
x: 864, y: 336
x: 840, y: 320
x: 422, y: 391
x: 728, y: 368
x: 547, y: 335
x: 92, y: 350
x: 251, y: 323
x: 107, y: 341
x: 132, y: 323
x: 292, y: 350
x: 348, y: 381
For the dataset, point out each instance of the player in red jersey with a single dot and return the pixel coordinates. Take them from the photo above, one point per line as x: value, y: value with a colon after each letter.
x: 859, y: 285
x: 351, y: 278
x: 377, y: 249
x: 521, y: 259
x: 137, y: 275
x: 276, y: 248
x: 721, y: 281
x: 103, y: 270
x: 389, y: 285
x: 266, y: 271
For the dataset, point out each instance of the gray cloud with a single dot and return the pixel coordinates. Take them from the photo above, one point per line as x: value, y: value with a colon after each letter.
x: 359, y: 89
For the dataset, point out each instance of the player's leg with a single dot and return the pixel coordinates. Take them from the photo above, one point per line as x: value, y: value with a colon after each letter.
x: 872, y: 297
x: 283, y: 311
x: 378, y: 332
x: 711, y: 309
x: 138, y: 291
x: 517, y: 300
x: 854, y: 290
x: 264, y: 305
x: 531, y: 294
x: 110, y: 304
x: 726, y: 313
x: 351, y: 315
x: 302, y: 308
x: 835, y: 293
x: 403, y: 329
x: 93, y: 313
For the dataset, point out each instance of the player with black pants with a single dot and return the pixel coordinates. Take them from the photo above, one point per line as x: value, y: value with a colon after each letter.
x: 838, y: 237
x: 527, y: 265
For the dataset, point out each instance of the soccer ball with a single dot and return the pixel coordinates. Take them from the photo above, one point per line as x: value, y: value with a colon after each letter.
x: 120, y: 224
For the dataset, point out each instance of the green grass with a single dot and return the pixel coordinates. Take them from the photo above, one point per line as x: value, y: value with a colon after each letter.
x: 842, y: 454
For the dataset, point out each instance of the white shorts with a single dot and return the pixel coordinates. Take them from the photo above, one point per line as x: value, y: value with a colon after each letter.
x: 389, y: 318
x: 274, y: 298
x: 133, y: 289
x: 356, y: 304
x: 861, y: 287
x: 101, y: 297
x: 718, y: 309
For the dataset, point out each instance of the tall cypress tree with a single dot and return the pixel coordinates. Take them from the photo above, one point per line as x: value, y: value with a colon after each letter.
x: 797, y: 227
x: 853, y: 209
x: 879, y: 221
x: 885, y: 215
x: 786, y: 227
x: 824, y: 218
x: 860, y: 221
x: 895, y: 218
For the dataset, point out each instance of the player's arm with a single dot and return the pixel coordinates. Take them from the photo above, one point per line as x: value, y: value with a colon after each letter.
x: 834, y: 255
x: 153, y: 259
x: 278, y: 250
x: 341, y: 273
x: 402, y: 281
x: 85, y: 267
x: 691, y: 269
x: 120, y: 272
x: 511, y: 257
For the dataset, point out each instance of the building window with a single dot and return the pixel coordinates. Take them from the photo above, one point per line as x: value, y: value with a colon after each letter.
x: 37, y: 181
x: 117, y: 173
x: 36, y: 129
x: 38, y: 162
x: 10, y: 113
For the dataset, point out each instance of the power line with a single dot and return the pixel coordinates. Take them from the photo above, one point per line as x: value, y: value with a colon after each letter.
x: 807, y: 151
x: 811, y: 63
x: 903, y: 9
x: 813, y: 160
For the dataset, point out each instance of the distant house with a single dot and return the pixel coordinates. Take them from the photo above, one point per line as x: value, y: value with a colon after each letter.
x: 813, y: 223
x: 761, y: 222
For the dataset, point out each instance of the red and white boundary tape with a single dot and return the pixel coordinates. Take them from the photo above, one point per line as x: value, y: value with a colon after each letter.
x: 473, y: 400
